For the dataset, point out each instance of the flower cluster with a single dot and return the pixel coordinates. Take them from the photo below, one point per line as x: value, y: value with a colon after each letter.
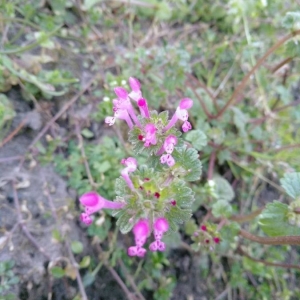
x: 149, y: 200
x: 207, y: 237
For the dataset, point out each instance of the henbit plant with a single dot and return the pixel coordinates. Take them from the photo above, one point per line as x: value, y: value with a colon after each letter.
x: 154, y: 197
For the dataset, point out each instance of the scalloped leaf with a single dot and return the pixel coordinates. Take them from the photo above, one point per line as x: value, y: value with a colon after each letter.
x: 123, y: 222
x: 274, y: 221
x: 291, y: 183
x: 177, y: 216
x: 184, y: 195
x: 223, y: 189
x: 197, y: 138
x: 188, y: 159
x: 222, y: 209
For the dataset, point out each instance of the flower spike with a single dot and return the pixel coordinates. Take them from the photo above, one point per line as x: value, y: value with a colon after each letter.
x: 93, y: 202
x: 167, y: 159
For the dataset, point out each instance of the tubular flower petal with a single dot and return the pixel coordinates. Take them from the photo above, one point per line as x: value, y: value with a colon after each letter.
x: 123, y: 115
x: 110, y: 120
x: 121, y: 93
x: 161, y: 226
x: 186, y: 103
x: 167, y: 159
x: 93, y: 202
x: 142, y: 104
x: 141, y: 231
x: 186, y: 126
x: 169, y: 143
x: 131, y: 165
x: 150, y: 137
x: 135, y: 85
x: 181, y: 113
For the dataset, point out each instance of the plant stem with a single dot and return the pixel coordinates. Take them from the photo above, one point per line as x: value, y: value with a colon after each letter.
x: 240, y: 87
x: 211, y: 165
x: 280, y: 240
x: 267, y: 263
x: 246, y: 218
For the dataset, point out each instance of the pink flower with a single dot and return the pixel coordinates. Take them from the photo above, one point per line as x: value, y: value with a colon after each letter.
x: 131, y: 166
x: 142, y: 104
x: 110, y: 120
x: 186, y: 126
x: 161, y: 226
x: 181, y: 113
x: 135, y: 85
x: 121, y: 93
x: 167, y: 159
x: 93, y: 202
x: 169, y: 143
x: 141, y: 231
x: 150, y: 137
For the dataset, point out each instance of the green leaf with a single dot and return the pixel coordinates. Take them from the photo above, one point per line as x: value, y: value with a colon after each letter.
x: 85, y: 262
x: 197, y: 138
x: 57, y: 272
x: 223, y: 189
x: 102, y: 167
x: 229, y: 232
x: 88, y: 4
x: 291, y: 20
x: 76, y: 247
x: 221, y: 209
x: 164, y: 11
x: 274, y: 220
x: 291, y: 183
x: 87, y: 133
x: 188, y: 159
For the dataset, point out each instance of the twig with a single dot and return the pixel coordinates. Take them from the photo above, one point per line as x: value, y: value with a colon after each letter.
x: 267, y: 263
x: 240, y: 87
x: 86, y: 164
x: 6, y: 159
x: 280, y: 240
x: 131, y: 280
x: 78, y: 277
x: 23, y: 226
x: 211, y: 165
x: 120, y: 282
x: 15, y: 132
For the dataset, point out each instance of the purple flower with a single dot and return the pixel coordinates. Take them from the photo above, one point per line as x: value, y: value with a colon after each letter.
x: 161, y: 226
x: 135, y: 85
x: 170, y: 143
x: 181, y: 113
x: 150, y: 137
x: 186, y: 126
x: 93, y: 202
x: 131, y: 165
x: 167, y: 159
x: 142, y: 104
x: 141, y: 231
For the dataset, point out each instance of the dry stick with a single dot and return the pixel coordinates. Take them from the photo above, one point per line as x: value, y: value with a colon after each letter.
x: 59, y: 114
x: 211, y: 165
x: 23, y: 226
x: 120, y: 282
x: 86, y: 164
x: 6, y: 159
x: 205, y: 88
x: 257, y: 65
x: 15, y: 132
x: 281, y: 64
x: 267, y: 263
x: 285, y: 148
x: 129, y: 277
x: 281, y: 240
